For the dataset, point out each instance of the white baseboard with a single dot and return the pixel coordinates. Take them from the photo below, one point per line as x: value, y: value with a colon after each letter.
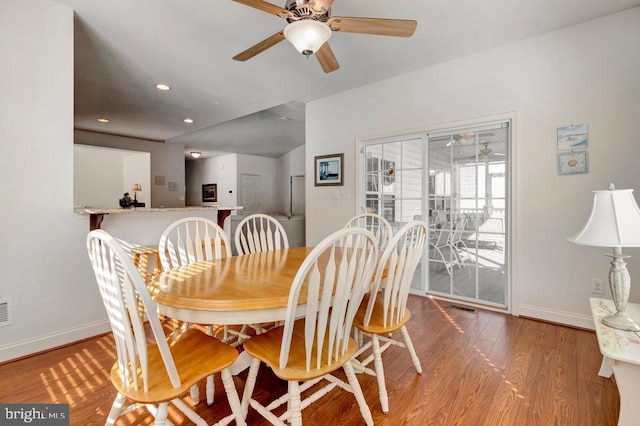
x: 49, y: 341
x: 559, y: 317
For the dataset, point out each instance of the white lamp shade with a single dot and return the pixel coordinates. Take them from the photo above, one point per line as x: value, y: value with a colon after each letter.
x: 614, y: 220
x: 308, y: 35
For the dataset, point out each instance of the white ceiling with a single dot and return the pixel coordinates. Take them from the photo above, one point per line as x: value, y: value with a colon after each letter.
x: 123, y: 48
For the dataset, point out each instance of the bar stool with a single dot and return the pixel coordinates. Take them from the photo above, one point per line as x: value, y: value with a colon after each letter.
x: 141, y: 262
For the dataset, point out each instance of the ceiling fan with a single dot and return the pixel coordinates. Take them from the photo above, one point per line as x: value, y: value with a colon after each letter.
x: 462, y: 139
x: 311, y: 25
x: 486, y: 152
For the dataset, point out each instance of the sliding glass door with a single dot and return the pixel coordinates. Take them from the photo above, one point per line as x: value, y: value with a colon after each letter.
x: 456, y: 181
x: 468, y: 176
x: 394, y: 184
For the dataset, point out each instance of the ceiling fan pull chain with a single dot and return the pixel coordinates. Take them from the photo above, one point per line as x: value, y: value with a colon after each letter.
x: 306, y: 94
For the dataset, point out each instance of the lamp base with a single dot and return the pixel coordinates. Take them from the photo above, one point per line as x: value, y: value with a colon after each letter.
x: 621, y: 322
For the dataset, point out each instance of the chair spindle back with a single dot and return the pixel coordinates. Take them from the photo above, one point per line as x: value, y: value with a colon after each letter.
x: 124, y: 293
x: 335, y: 277
x: 192, y: 239
x: 398, y: 262
x: 260, y: 232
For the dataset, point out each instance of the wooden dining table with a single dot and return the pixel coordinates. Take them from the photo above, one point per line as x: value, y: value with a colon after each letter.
x: 247, y: 289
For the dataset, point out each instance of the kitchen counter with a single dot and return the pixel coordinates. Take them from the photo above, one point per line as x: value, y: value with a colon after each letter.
x: 96, y: 215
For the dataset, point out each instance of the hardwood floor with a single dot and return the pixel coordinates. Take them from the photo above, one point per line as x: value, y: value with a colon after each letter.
x: 482, y: 368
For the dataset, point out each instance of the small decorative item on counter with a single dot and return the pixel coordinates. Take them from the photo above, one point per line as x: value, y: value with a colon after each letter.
x: 125, y: 201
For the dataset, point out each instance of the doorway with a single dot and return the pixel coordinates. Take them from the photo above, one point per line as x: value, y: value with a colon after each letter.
x: 457, y: 181
x: 468, y: 214
x: 250, y: 194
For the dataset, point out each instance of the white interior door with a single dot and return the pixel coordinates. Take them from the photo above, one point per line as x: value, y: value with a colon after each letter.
x: 297, y: 195
x: 250, y: 194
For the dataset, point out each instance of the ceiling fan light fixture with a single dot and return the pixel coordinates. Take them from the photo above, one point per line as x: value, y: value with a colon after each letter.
x: 196, y: 154
x: 307, y: 35
x: 466, y: 138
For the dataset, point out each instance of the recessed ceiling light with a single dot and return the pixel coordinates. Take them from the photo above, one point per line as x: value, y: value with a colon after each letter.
x: 188, y: 120
x: 162, y: 87
x: 195, y: 154
x: 103, y: 120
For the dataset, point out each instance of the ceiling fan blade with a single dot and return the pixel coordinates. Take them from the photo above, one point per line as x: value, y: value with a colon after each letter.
x: 260, y: 47
x: 264, y: 6
x: 327, y: 59
x: 377, y: 26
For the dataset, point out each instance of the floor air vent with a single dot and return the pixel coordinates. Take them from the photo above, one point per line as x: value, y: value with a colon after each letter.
x: 462, y: 308
x: 6, y: 312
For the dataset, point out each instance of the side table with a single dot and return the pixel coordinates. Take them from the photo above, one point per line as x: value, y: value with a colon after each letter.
x: 621, y: 352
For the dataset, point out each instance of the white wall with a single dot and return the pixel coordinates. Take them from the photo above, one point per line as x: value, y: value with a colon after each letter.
x: 43, y: 257
x: 221, y: 170
x: 102, y: 175
x: 586, y: 74
x: 290, y: 164
x: 166, y: 160
x: 137, y: 169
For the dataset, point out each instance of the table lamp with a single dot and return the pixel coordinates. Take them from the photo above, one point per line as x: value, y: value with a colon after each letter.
x: 614, y: 222
x: 136, y: 188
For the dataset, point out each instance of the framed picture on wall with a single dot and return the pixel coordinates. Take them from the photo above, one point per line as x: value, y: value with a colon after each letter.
x: 329, y: 170
x: 571, y: 163
x: 573, y: 137
x: 210, y: 193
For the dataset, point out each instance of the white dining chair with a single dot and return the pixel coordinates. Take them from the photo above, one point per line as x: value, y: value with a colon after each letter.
x: 384, y: 310
x: 314, y: 343
x: 377, y: 224
x: 456, y: 242
x: 260, y: 232
x: 190, y: 240
x: 158, y: 373
x: 440, y: 242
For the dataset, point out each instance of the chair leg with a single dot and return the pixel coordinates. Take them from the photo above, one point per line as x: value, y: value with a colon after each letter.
x: 294, y: 404
x: 160, y: 417
x: 195, y: 394
x: 210, y: 389
x: 232, y: 396
x: 357, y: 392
x: 377, y: 362
x: 359, y: 337
x: 249, y: 385
x: 116, y: 408
x: 412, y: 351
